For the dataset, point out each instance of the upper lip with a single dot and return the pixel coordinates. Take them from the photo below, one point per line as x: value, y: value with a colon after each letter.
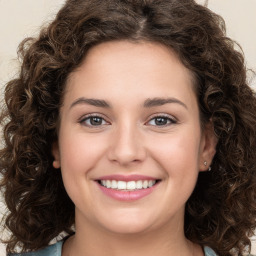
x: 121, y: 177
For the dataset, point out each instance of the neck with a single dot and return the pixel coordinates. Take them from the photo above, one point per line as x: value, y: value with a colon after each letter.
x: 164, y: 241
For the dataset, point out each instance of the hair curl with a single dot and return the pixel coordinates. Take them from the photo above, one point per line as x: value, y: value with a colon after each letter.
x: 222, y: 209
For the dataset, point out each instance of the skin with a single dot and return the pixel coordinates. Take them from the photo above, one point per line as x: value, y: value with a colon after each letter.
x: 130, y: 141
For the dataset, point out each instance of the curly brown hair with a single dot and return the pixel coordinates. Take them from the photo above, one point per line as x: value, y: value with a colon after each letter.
x: 221, y: 211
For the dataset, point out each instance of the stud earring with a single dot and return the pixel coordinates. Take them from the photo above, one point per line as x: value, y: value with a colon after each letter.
x: 56, y: 164
x: 209, y: 169
x: 205, y: 163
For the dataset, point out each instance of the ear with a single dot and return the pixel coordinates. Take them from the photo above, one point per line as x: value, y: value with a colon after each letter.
x: 56, y: 155
x: 207, y: 147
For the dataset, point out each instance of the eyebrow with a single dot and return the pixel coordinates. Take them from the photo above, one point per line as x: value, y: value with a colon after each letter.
x: 155, y: 102
x: 148, y: 103
x: 93, y: 102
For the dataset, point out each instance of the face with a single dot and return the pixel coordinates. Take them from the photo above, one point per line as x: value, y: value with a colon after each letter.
x: 130, y: 144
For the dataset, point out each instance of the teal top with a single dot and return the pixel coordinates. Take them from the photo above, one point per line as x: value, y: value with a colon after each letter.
x: 55, y: 250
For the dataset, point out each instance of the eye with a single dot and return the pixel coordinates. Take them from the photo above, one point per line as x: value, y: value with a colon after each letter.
x: 162, y: 121
x: 93, y: 120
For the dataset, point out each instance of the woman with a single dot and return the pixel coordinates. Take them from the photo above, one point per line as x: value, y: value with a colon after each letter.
x: 132, y: 129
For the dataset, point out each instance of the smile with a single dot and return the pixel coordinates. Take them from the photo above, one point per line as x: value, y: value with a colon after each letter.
x: 128, y: 186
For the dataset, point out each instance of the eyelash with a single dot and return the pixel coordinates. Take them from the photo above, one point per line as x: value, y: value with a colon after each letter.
x: 89, y: 118
x: 171, y: 120
x: 167, y: 118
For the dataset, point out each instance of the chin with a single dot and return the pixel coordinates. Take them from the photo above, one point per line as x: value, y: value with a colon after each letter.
x: 127, y: 228
x: 128, y: 223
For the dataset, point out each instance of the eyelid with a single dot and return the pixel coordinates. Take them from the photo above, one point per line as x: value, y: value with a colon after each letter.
x: 84, y: 117
x: 170, y: 117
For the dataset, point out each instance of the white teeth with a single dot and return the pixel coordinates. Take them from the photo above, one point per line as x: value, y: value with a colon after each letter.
x: 145, y: 184
x: 130, y: 185
x: 108, y: 185
x: 121, y: 184
x: 114, y: 184
x: 139, y: 184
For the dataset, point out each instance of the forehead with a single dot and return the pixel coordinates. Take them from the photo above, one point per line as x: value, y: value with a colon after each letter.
x: 141, y: 67
x: 136, y: 52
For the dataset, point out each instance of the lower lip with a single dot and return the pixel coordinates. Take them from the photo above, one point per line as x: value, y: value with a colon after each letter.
x: 122, y: 195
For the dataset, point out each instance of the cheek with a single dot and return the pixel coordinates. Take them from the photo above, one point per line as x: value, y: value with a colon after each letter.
x: 179, y: 162
x: 178, y: 157
x: 79, y: 153
x: 178, y: 150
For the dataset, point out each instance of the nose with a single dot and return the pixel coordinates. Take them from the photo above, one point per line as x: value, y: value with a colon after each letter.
x: 126, y: 146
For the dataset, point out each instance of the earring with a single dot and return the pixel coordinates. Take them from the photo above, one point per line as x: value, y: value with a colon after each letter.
x: 210, y: 168
x: 56, y: 164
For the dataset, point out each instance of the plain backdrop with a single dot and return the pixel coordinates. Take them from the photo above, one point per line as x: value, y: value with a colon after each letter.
x: 23, y: 18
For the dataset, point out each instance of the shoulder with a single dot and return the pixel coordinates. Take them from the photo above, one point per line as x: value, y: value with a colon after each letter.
x: 209, y: 252
x: 51, y: 250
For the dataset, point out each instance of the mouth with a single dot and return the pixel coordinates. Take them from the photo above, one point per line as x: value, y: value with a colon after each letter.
x: 127, y: 187
x: 132, y: 185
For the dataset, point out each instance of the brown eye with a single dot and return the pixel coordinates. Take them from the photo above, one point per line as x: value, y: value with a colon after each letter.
x: 161, y: 121
x: 93, y: 121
